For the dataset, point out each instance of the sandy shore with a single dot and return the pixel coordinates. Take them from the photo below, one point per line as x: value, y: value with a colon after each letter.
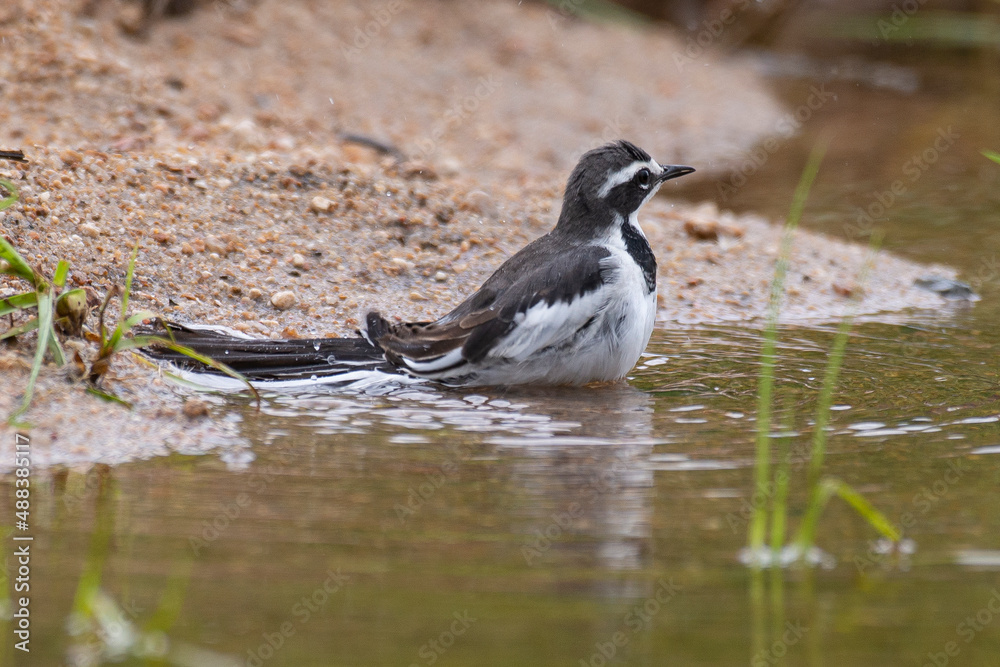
x: 218, y: 145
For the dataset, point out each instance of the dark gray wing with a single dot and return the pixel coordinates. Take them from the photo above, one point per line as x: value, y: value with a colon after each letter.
x: 536, y: 299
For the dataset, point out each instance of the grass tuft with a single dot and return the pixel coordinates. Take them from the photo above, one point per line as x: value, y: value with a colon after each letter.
x: 820, y: 489
x: 765, y: 392
x: 59, y: 309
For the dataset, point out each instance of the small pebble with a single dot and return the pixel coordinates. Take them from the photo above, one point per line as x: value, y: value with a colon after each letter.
x: 284, y: 299
x: 320, y: 204
x: 440, y: 276
x: 481, y: 203
x: 298, y: 261
x: 213, y: 244
x: 195, y: 408
x: 87, y: 229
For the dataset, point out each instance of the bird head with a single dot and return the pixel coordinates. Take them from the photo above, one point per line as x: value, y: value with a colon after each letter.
x: 617, y: 178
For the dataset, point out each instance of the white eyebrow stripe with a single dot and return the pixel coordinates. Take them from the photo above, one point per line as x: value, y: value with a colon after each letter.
x: 625, y: 175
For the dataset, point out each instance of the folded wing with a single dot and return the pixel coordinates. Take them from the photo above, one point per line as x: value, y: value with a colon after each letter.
x: 525, y: 307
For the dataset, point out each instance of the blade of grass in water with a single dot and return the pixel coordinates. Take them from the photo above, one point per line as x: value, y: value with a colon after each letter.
x: 832, y: 374
x: 779, y: 513
x: 830, y: 487
x: 807, y: 530
x: 762, y: 465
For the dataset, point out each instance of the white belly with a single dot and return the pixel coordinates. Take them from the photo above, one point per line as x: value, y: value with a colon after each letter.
x: 604, y: 351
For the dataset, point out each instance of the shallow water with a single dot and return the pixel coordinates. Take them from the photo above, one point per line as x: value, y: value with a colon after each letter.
x: 553, y: 519
x: 422, y: 525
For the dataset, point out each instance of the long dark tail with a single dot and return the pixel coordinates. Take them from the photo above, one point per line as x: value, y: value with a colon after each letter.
x: 262, y: 359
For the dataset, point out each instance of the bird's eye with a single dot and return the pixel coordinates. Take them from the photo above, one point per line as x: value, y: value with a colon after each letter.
x: 642, y: 178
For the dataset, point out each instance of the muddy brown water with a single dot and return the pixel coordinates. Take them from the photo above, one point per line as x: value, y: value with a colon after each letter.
x: 419, y: 525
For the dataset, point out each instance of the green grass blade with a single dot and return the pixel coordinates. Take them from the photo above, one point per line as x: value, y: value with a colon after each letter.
x: 114, y: 343
x: 172, y: 600
x: 765, y: 391
x: 11, y: 197
x: 817, y: 454
x: 110, y: 398
x: 779, y: 508
x: 62, y: 271
x: 53, y: 342
x: 137, y: 343
x: 88, y: 587
x: 137, y: 318
x: 826, y: 490
x: 836, y: 358
x: 110, y: 345
x: 146, y: 341
x: 30, y: 325
x: 993, y: 155
x: 45, y: 307
x: 55, y: 348
x: 16, y: 266
x: 17, y: 302
x: 875, y: 519
x: 128, y: 280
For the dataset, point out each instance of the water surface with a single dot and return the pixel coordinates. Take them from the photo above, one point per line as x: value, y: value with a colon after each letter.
x: 422, y: 525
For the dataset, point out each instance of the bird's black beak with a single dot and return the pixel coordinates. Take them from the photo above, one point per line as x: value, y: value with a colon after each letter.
x: 674, y: 171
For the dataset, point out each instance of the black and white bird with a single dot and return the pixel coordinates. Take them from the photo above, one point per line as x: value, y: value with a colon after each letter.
x: 574, y: 306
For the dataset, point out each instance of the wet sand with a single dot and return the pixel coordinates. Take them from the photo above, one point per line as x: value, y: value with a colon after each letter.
x: 222, y: 145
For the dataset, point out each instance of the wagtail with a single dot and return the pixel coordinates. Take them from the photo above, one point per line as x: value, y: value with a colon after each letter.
x: 573, y: 307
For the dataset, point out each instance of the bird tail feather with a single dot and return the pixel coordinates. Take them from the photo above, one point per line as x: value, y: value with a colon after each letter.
x: 264, y: 359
